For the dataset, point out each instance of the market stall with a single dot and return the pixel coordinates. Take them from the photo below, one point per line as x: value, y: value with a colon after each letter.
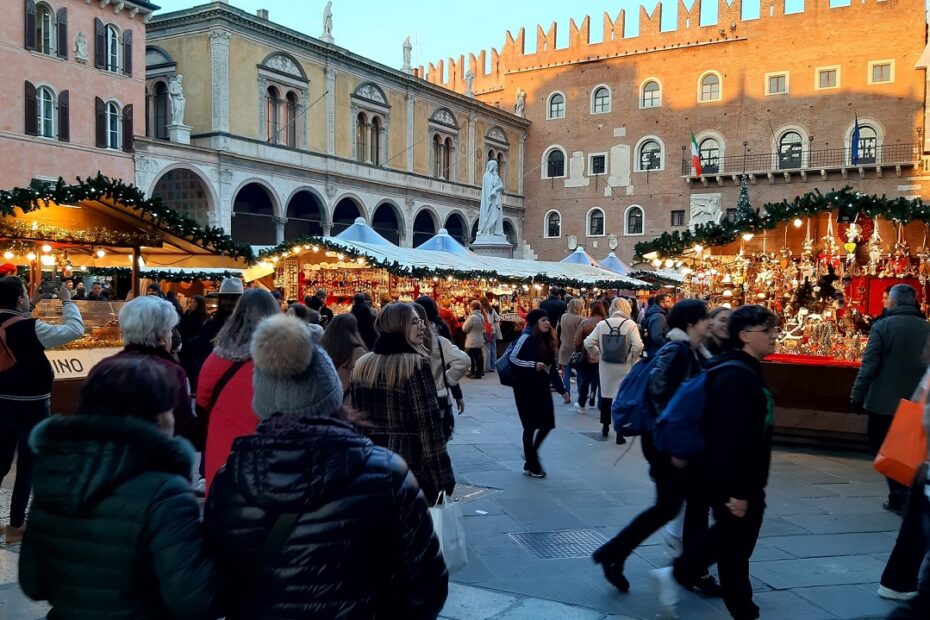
x: 821, y: 263
x: 104, y: 231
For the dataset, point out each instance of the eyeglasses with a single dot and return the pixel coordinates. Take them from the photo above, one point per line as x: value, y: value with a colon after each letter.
x: 768, y: 330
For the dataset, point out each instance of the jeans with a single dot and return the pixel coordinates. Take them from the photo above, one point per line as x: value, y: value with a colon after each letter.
x: 730, y: 542
x: 588, y: 381
x: 877, y: 430
x: 567, y: 378
x: 912, y: 543
x: 477, y: 361
x: 492, y: 355
x: 17, y: 419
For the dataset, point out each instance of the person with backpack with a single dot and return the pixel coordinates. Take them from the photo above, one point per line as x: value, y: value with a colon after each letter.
x: 26, y: 384
x: 616, y: 343
x: 676, y: 362
x: 737, y: 430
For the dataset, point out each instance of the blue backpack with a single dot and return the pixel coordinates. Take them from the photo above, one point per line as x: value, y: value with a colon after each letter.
x: 679, y: 430
x: 504, y: 367
x: 632, y: 410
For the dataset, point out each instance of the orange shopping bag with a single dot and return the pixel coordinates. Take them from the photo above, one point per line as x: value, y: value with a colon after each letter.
x: 905, y: 446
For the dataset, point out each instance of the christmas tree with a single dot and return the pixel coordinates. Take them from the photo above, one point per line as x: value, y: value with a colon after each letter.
x: 745, y: 215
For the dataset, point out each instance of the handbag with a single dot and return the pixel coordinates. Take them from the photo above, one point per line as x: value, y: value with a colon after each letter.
x: 577, y: 359
x: 905, y: 447
x: 449, y: 525
x: 614, y: 346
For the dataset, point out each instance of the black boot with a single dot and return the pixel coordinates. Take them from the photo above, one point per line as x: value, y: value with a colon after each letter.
x: 613, y: 571
x: 605, y: 430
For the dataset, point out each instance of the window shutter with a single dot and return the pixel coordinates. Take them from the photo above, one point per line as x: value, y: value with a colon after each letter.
x: 100, y: 44
x: 32, y: 120
x: 100, y: 112
x: 127, y: 52
x: 64, y: 121
x: 30, y: 35
x: 127, y: 129
x: 61, y: 19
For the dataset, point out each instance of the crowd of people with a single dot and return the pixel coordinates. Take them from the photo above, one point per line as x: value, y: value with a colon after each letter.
x: 319, y: 441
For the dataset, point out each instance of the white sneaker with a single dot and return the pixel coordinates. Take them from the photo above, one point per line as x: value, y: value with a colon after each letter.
x: 894, y: 595
x: 667, y: 590
x: 579, y: 408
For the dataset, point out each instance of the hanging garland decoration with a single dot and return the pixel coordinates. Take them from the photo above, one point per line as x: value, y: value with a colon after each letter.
x: 161, y: 276
x: 57, y: 234
x: 847, y: 201
x: 152, y: 210
x: 313, y: 243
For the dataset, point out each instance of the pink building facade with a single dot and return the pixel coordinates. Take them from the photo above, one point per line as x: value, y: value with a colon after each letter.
x: 75, y: 74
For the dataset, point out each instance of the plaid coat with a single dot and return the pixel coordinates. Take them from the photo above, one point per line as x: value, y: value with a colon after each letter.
x: 407, y: 421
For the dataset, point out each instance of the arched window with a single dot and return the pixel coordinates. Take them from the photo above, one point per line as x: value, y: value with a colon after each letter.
x: 595, y: 223
x: 45, y: 104
x: 868, y: 144
x: 45, y: 30
x: 553, y: 225
x: 447, y: 158
x: 272, y: 98
x: 113, y: 125
x: 361, y: 137
x: 113, y: 49
x: 650, y: 155
x: 600, y: 102
x: 437, y: 157
x: 710, y: 155
x: 634, y: 221
x: 291, y: 118
x: 556, y: 107
x: 789, y: 150
x: 652, y: 95
x: 161, y: 111
x: 555, y: 163
x: 710, y: 87
x: 376, y: 141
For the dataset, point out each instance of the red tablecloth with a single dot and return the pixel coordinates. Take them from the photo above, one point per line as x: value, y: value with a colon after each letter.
x: 811, y: 360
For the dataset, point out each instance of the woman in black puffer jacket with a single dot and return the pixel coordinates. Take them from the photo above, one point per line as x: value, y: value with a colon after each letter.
x: 361, y: 542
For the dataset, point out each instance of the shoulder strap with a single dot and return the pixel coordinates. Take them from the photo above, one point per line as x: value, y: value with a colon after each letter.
x: 16, y: 318
x: 273, y: 543
x: 442, y: 356
x: 221, y: 383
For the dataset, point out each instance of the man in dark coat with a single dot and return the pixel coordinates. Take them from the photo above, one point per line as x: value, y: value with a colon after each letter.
x: 554, y: 307
x: 201, y: 345
x: 656, y: 323
x: 892, y: 366
x: 366, y: 320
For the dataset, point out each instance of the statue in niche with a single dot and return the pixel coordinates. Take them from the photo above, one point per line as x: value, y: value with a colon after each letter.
x: 521, y: 102
x: 328, y: 21
x: 80, y: 48
x: 408, y: 48
x: 491, y: 212
x: 176, y: 97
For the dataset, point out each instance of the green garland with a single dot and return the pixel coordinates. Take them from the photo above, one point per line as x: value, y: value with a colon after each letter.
x: 153, y: 210
x: 159, y: 275
x: 405, y: 271
x: 848, y: 202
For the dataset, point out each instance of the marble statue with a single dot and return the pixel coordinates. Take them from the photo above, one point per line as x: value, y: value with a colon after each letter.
x: 521, y: 102
x: 469, y: 82
x: 705, y: 209
x: 491, y: 212
x: 328, y: 22
x: 408, y: 48
x: 80, y: 47
x: 176, y: 97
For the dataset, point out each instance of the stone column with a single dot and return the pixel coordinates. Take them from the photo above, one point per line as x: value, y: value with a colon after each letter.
x: 331, y: 111
x: 279, y: 223
x: 327, y: 229
x: 472, y: 141
x: 219, y: 77
x: 410, y: 131
x: 521, y: 153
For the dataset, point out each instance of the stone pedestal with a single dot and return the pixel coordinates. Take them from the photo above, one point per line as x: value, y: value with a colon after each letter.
x: 492, y: 245
x: 327, y: 38
x: 180, y: 134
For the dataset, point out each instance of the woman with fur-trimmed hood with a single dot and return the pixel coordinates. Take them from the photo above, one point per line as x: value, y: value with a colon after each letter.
x: 394, y: 387
x: 309, y: 519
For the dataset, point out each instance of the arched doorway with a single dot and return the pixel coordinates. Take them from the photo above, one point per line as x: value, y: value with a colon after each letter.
x: 253, y: 216
x: 456, y: 226
x: 344, y: 215
x: 386, y: 224
x: 510, y: 232
x: 424, y: 227
x: 474, y: 231
x: 184, y: 192
x: 304, y: 216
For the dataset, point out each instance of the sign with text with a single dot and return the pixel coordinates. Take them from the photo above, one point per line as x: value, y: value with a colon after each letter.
x: 77, y: 363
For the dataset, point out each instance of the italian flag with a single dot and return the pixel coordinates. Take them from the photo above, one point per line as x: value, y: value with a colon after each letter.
x: 696, y: 156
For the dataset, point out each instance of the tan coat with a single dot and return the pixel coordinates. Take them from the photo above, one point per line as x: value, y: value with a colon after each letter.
x: 569, y: 325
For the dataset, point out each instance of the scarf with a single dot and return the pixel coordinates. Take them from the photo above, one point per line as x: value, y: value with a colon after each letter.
x: 393, y: 344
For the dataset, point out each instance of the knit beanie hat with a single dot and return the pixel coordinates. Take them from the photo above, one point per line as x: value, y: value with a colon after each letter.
x: 293, y: 375
x: 534, y: 316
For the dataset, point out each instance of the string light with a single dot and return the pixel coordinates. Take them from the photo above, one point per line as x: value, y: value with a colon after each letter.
x: 101, y: 253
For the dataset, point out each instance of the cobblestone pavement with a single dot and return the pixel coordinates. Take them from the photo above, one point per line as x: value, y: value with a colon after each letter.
x: 824, y: 542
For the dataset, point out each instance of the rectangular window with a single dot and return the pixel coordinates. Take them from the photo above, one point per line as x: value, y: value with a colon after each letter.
x: 678, y: 218
x: 881, y: 71
x: 776, y: 84
x: 598, y: 164
x: 828, y: 77
x: 731, y: 215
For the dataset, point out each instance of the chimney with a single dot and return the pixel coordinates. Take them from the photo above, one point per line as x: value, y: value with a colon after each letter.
x: 262, y: 14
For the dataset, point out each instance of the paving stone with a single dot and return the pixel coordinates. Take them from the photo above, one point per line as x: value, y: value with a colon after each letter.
x: 468, y: 603
x: 538, y: 609
x: 787, y: 604
x: 824, y: 545
x: 847, y: 523
x: 843, y: 570
x: 849, y: 505
x: 14, y: 605
x: 848, y: 602
x: 9, y: 562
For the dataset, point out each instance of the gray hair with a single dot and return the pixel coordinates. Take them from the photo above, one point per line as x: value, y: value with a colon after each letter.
x: 147, y: 320
x: 903, y: 295
x: 232, y: 342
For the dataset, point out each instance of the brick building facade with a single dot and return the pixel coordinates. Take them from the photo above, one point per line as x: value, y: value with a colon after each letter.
x: 608, y: 152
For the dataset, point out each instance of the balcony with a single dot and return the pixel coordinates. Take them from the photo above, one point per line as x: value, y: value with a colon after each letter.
x: 799, y: 164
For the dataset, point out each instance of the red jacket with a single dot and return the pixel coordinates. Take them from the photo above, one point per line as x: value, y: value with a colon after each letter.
x: 232, y: 415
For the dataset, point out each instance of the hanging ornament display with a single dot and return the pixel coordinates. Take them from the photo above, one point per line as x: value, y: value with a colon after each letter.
x: 875, y: 253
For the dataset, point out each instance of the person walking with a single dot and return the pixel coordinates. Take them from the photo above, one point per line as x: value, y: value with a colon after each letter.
x: 568, y: 326
x: 738, y: 419
x: 309, y: 519
x: 656, y: 323
x: 533, y: 359
x: 26, y: 385
x: 611, y: 374
x: 554, y: 307
x: 115, y: 528
x: 492, y: 328
x: 344, y: 345
x: 224, y: 398
x: 448, y: 363
x: 474, y: 331
x: 191, y: 323
x: 718, y: 339
x: 891, y: 368
x: 365, y: 316
x: 442, y: 328
x: 393, y: 386
x: 588, y: 371
x: 201, y: 346
x: 675, y: 362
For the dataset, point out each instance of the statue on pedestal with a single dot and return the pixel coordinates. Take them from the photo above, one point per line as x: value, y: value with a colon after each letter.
x: 327, y: 23
x: 176, y: 98
x: 521, y: 102
x: 469, y: 82
x: 408, y: 48
x: 491, y: 213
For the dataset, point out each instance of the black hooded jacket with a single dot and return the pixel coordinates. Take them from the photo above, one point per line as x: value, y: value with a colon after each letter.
x: 362, y: 547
